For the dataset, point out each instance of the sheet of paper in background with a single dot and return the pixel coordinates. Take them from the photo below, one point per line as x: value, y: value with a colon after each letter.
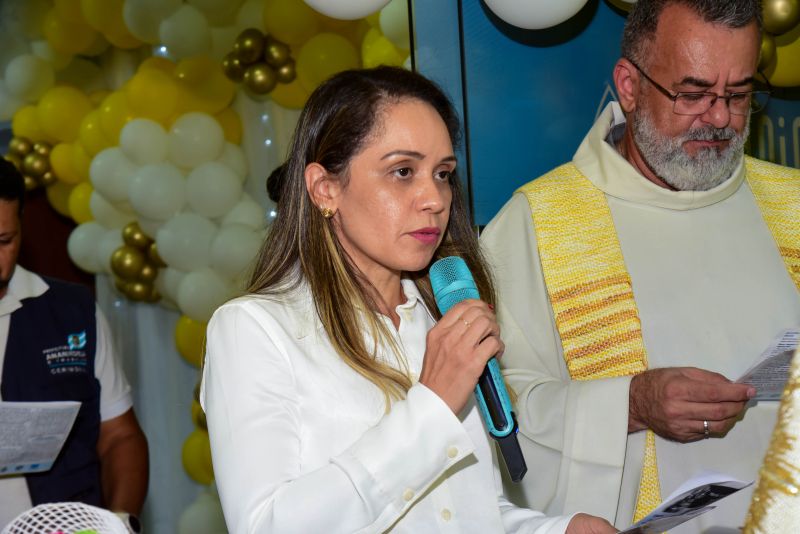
x: 32, y: 434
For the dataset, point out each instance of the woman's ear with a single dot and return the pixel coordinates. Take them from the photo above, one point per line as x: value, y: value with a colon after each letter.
x: 626, y: 80
x: 322, y: 188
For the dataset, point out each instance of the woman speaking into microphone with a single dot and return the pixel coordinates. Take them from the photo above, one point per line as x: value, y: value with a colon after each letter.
x: 337, y: 399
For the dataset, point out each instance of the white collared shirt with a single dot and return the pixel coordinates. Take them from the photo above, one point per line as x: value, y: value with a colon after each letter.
x: 302, y: 443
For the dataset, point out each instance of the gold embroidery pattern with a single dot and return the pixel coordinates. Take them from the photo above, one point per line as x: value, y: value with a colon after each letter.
x: 590, y: 292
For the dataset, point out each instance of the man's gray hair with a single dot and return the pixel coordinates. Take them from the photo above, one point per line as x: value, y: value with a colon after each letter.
x: 640, y: 28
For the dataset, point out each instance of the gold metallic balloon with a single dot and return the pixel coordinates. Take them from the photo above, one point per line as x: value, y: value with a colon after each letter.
x: 196, y: 392
x: 121, y: 285
x: 48, y: 178
x: 15, y: 159
x: 154, y: 295
x: 153, y: 256
x: 127, y: 262
x: 42, y: 148
x: 138, y: 290
x: 780, y: 16
x: 35, y: 165
x: 276, y: 53
x: 30, y: 183
x: 767, y: 52
x: 287, y: 73
x: 233, y: 67
x: 148, y: 273
x: 133, y: 236
x: 20, y: 146
x: 260, y: 78
x: 249, y: 45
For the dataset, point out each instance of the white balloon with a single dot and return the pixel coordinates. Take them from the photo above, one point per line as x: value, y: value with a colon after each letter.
x: 107, y: 213
x: 168, y: 281
x: 347, y: 9
x: 143, y: 17
x: 184, y: 242
x: 195, y: 138
x: 250, y: 15
x: 201, y: 292
x: 110, y: 172
x: 81, y: 246
x: 247, y: 212
x: 222, y: 40
x: 212, y: 189
x: 233, y: 156
x: 43, y: 50
x: 110, y: 242
x: 144, y: 141
x: 150, y: 227
x: 234, y: 249
x: 185, y: 32
x: 29, y: 77
x: 203, y: 516
x: 535, y: 14
x: 157, y: 191
x: 394, y: 23
x: 9, y: 104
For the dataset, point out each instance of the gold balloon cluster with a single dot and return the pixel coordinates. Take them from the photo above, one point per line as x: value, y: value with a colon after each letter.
x: 135, y: 265
x: 33, y: 161
x: 780, y: 17
x: 259, y: 61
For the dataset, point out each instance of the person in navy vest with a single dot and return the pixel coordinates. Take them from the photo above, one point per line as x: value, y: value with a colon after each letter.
x: 55, y: 344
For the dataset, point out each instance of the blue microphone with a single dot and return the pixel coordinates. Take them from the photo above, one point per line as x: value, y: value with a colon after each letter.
x: 452, y: 282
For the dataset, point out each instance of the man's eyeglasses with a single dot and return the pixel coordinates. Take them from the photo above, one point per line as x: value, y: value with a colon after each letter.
x: 698, y: 102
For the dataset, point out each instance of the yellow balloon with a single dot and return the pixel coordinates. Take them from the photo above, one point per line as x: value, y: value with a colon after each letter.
x: 97, y: 97
x: 114, y: 115
x: 91, y: 135
x: 160, y: 63
x: 69, y: 10
x: 322, y: 56
x: 376, y: 50
x: 81, y: 162
x: 26, y: 124
x: 196, y: 457
x: 290, y: 95
x: 119, y: 36
x: 231, y: 125
x: 67, y: 37
x: 204, y: 85
x: 62, y: 164
x: 290, y: 21
x: 190, y: 339
x: 100, y: 14
x: 374, y: 19
x: 58, y: 195
x: 783, y: 71
x: 78, y: 203
x: 198, y: 416
x: 61, y: 111
x: 153, y: 94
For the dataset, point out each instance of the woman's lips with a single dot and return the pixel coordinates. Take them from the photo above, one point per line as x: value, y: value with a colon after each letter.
x: 426, y: 235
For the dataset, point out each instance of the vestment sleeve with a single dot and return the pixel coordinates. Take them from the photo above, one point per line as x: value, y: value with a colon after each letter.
x: 570, y: 431
x: 115, y: 391
x: 254, y: 413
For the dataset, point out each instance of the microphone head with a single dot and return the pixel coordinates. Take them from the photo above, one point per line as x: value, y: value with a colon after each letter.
x: 451, y: 282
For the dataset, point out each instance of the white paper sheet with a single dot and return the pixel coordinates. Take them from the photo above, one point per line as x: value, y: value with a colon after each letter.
x: 769, y: 373
x: 693, y: 498
x: 32, y: 434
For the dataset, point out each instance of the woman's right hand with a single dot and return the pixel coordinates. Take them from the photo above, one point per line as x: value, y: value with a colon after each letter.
x: 589, y: 524
x: 457, y: 349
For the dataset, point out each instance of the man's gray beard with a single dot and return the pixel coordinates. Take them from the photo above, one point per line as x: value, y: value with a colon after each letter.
x: 670, y: 162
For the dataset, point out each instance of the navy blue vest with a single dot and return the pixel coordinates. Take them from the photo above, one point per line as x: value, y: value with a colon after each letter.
x: 50, y: 356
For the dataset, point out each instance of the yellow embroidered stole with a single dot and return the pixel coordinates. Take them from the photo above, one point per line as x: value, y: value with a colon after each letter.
x: 590, y: 289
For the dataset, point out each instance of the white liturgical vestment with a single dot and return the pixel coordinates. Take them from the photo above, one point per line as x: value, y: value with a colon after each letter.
x: 712, y: 292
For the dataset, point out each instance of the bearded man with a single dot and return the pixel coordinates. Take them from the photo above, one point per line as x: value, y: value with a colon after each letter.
x: 636, y: 282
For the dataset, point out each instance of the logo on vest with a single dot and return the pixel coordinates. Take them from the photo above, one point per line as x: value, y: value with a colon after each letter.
x: 69, y: 358
x: 77, y: 341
